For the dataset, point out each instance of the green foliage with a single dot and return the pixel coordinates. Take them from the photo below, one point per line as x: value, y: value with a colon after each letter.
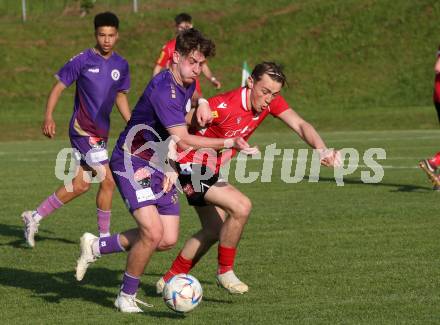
x: 356, y: 61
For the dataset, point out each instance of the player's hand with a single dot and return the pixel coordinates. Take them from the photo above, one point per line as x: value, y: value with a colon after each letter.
x: 169, y: 180
x: 330, y: 157
x: 48, y: 127
x: 203, y: 113
x: 217, y: 84
x: 250, y: 151
x: 236, y: 143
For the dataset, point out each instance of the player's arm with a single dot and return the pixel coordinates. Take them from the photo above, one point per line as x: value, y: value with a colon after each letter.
x: 122, y: 105
x: 49, y: 126
x: 185, y: 141
x: 308, y: 133
x: 208, y: 74
x: 304, y: 129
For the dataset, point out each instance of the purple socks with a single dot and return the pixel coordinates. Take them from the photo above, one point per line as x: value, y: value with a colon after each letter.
x: 130, y: 284
x: 49, y: 205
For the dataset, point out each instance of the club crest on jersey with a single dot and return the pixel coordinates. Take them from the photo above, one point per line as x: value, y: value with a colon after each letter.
x: 222, y: 105
x: 115, y: 74
x: 214, y: 114
x: 238, y: 120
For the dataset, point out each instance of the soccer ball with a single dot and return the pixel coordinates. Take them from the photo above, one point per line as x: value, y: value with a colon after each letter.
x: 182, y: 293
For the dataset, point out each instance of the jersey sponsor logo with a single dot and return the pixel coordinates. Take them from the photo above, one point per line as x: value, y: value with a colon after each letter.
x: 115, y: 74
x: 234, y: 133
x: 145, y: 194
x: 188, y: 189
x: 93, y: 70
x: 222, y: 105
x: 143, y: 177
x: 173, y: 91
x: 97, y: 143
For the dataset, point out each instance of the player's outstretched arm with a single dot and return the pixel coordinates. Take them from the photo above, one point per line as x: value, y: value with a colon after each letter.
x: 49, y: 126
x: 308, y: 133
x: 208, y: 74
x: 122, y: 105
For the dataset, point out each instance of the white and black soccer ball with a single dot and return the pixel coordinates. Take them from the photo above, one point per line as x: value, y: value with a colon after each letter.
x: 182, y: 293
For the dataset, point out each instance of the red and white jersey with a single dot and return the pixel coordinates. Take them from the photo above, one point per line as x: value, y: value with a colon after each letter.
x: 166, y: 54
x: 165, y: 57
x: 232, y: 118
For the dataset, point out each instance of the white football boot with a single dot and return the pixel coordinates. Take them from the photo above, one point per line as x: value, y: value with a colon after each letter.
x: 128, y: 303
x: 230, y: 282
x: 30, y: 227
x: 87, y: 257
x: 160, y: 285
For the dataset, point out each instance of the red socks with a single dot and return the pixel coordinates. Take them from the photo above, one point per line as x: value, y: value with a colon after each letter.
x: 226, y: 257
x: 435, y: 161
x: 180, y: 265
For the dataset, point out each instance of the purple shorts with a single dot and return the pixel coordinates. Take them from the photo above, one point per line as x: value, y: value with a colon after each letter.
x: 142, y: 185
x: 92, y: 151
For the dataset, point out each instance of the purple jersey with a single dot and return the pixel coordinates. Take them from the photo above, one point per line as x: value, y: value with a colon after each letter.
x: 163, y: 105
x: 98, y: 80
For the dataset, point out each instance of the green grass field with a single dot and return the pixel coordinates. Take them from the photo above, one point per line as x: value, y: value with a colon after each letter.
x: 311, y: 253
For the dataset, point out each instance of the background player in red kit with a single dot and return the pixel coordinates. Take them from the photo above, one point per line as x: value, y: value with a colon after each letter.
x: 429, y: 166
x: 223, y: 210
x: 183, y: 21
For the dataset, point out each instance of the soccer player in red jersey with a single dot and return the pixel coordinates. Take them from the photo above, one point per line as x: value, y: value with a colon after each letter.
x: 430, y: 166
x: 222, y: 209
x: 183, y: 21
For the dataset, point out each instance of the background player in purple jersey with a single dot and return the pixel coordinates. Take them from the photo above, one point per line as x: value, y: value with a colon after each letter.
x: 102, y: 79
x: 146, y: 188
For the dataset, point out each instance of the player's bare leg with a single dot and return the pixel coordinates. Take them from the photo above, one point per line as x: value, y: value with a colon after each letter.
x: 149, y: 236
x: 236, y: 206
x: 80, y: 184
x: 211, y: 219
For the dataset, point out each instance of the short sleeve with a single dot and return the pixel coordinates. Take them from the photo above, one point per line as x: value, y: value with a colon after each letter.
x: 214, y: 102
x: 170, y: 111
x: 70, y: 72
x: 124, y: 85
x: 278, y: 105
x: 163, y: 57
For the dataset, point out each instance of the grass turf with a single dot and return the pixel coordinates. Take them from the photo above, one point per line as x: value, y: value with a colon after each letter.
x: 311, y: 253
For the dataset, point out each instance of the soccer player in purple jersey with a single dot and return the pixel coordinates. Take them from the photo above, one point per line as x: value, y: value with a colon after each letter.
x: 102, y: 79
x: 145, y: 186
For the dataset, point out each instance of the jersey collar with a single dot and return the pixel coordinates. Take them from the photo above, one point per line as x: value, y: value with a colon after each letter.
x: 243, y: 99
